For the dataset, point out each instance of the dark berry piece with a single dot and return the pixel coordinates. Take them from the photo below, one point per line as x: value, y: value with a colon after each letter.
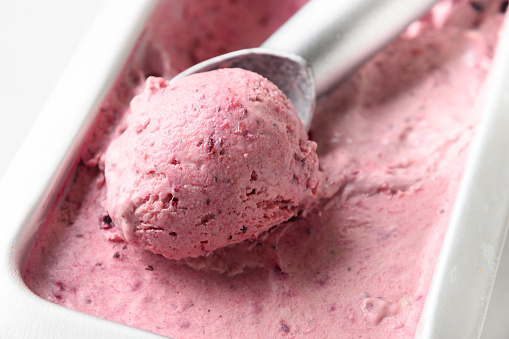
x: 210, y: 145
x: 61, y: 285
x: 284, y: 327
x: 206, y: 218
x: 202, y: 244
x: 503, y: 6
x: 254, y: 176
x: 116, y: 255
x: 167, y: 199
x: 107, y: 223
x: 477, y: 6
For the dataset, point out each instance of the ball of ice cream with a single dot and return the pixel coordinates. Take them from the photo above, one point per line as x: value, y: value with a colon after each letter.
x: 211, y: 160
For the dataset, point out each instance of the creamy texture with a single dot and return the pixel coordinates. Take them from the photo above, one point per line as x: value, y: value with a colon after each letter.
x: 392, y: 142
x: 213, y: 159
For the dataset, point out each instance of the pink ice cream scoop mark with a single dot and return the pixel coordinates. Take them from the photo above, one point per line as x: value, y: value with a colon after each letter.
x: 231, y: 168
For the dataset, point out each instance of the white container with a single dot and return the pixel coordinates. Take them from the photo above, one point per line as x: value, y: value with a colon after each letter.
x: 465, y: 273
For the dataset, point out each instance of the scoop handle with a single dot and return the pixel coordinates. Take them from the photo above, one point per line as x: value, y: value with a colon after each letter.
x: 337, y: 36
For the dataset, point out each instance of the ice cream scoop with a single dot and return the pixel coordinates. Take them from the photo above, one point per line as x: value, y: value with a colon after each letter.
x: 213, y: 159
x: 321, y: 44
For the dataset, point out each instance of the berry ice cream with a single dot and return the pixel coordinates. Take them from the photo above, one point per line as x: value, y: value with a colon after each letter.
x: 391, y: 143
x: 211, y: 160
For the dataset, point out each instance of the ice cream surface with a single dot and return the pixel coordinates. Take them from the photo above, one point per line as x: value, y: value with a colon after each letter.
x: 391, y: 142
x: 211, y: 160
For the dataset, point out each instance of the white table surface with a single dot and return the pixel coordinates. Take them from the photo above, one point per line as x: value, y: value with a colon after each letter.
x: 37, y: 40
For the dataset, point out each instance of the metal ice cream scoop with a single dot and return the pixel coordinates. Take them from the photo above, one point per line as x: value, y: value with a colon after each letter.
x: 320, y: 45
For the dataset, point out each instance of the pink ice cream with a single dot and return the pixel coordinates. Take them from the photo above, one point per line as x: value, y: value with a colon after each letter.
x: 391, y: 141
x: 211, y: 160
